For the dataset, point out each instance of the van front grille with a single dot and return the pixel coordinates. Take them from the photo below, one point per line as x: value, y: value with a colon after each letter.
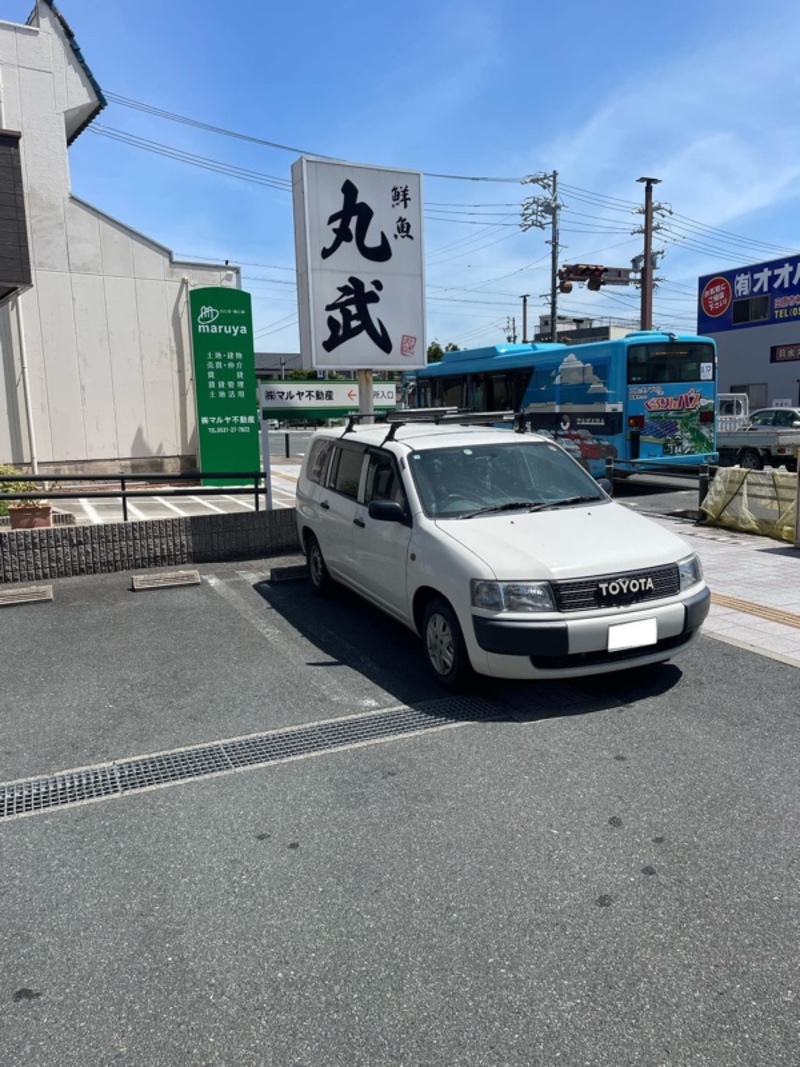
x: 617, y: 590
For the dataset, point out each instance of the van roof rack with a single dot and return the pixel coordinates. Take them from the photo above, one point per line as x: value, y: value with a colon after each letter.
x: 448, y: 416
x: 353, y: 420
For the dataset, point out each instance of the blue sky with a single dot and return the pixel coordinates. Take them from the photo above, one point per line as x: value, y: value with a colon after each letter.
x: 702, y: 96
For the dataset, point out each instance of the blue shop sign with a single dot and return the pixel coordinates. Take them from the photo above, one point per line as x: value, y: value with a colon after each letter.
x: 761, y: 295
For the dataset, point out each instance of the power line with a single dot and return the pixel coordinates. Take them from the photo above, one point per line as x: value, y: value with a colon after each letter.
x: 155, y: 147
x: 583, y: 195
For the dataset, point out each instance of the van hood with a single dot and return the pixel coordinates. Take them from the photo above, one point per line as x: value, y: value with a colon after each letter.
x: 569, y: 542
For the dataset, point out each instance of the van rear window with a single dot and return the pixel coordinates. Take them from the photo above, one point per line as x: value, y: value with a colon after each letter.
x: 318, y: 460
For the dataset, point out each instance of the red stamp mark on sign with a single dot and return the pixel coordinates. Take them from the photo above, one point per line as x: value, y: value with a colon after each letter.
x: 717, y: 297
x: 408, y: 345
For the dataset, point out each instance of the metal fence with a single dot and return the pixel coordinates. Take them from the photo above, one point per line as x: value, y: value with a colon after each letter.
x: 138, y: 486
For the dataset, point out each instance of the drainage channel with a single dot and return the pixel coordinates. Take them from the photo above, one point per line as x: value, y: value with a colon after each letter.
x: 31, y: 796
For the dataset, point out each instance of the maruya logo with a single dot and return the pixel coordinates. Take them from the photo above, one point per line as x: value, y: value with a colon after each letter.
x: 207, y: 323
x: 687, y: 401
x: 232, y: 331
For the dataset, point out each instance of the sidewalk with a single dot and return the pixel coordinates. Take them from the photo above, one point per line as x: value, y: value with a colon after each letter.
x: 755, y: 586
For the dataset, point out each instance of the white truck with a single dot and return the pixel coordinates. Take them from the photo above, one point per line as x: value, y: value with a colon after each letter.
x: 741, y: 444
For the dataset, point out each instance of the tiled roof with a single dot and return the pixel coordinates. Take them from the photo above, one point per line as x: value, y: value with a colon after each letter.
x: 101, y: 100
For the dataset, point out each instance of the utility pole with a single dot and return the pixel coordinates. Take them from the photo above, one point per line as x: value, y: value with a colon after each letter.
x: 646, y: 321
x: 511, y: 331
x: 525, y: 318
x: 534, y: 209
x: 554, y: 249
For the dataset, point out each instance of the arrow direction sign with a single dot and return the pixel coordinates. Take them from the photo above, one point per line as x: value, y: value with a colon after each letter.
x: 319, y: 399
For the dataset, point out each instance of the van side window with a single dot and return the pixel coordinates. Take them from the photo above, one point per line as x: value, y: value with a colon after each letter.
x: 383, y: 480
x: 318, y: 461
x: 346, y: 471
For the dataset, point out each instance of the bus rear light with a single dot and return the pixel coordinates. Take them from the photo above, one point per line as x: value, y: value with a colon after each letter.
x: 706, y: 416
x: 635, y: 422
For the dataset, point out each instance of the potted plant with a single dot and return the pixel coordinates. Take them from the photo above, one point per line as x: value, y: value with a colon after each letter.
x: 24, y: 514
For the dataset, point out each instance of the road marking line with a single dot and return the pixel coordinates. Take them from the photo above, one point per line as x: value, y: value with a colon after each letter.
x: 172, y: 507
x: 786, y: 618
x: 242, y: 503
x: 90, y: 511
x: 132, y: 509
x: 208, y: 504
x: 253, y: 610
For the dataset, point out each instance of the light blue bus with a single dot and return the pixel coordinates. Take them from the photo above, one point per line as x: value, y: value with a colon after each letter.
x: 646, y: 399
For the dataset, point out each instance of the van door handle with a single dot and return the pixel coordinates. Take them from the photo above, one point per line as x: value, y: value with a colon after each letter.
x: 360, y: 522
x: 325, y: 505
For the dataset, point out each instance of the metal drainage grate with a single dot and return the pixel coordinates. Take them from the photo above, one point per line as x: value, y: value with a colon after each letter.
x: 33, y: 795
x: 165, y: 580
x: 29, y: 594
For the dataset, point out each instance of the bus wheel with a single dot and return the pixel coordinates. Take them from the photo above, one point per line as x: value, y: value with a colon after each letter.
x: 444, y: 647
x: 750, y: 459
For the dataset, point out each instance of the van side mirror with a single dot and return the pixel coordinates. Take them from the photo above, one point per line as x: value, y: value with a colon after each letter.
x: 606, y: 484
x: 386, y: 510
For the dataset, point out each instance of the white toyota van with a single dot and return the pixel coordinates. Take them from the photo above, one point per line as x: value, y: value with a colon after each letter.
x: 497, y: 548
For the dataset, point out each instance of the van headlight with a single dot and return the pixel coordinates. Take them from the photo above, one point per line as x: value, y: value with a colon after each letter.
x: 512, y: 596
x: 690, y: 570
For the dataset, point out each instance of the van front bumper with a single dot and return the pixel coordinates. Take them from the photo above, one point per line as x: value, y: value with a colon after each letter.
x: 580, y: 642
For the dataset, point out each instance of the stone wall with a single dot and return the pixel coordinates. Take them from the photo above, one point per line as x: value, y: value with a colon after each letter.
x: 69, y: 551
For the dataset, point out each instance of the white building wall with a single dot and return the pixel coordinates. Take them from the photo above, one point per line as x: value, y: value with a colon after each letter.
x: 106, y: 331
x: 744, y: 360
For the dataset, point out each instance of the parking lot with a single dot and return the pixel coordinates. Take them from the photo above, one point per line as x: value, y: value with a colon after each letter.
x: 157, y: 503
x: 597, y: 872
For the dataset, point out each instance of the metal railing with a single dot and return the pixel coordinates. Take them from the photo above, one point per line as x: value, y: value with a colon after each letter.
x: 660, y: 468
x: 702, y: 473
x: 138, y: 486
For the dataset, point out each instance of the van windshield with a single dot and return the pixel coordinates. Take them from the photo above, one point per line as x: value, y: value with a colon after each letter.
x: 498, y: 477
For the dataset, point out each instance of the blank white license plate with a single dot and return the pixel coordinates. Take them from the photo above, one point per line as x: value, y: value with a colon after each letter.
x: 632, y: 634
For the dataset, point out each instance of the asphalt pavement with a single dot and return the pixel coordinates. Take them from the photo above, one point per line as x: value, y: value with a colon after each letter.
x: 598, y: 872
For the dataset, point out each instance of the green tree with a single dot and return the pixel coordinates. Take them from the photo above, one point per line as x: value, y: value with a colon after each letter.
x: 435, y: 350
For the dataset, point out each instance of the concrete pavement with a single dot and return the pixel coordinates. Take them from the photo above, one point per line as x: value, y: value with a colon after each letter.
x: 755, y: 585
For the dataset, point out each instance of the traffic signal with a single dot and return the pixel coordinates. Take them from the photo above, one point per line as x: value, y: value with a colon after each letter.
x: 595, y: 279
x: 590, y: 273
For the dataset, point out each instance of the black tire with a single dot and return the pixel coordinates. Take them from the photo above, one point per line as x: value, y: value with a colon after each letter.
x: 443, y: 645
x: 318, y: 575
x: 750, y: 459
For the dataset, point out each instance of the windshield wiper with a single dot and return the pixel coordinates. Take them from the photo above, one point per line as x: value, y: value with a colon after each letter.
x: 565, y: 502
x: 527, y: 505
x: 513, y: 505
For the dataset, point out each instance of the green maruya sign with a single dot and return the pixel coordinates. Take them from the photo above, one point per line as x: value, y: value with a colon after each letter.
x: 225, y: 382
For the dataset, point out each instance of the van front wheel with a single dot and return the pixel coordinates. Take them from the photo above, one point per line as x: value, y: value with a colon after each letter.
x: 443, y: 645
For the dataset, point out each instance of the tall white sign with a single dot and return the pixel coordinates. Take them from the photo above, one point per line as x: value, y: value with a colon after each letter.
x: 360, y: 278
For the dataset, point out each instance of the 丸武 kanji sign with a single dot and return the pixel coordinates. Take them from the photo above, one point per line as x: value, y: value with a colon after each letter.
x: 360, y: 277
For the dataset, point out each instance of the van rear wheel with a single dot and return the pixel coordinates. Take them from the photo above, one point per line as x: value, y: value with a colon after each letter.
x: 318, y: 574
x: 444, y: 646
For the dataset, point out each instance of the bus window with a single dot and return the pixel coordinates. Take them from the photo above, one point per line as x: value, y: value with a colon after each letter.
x: 656, y: 364
x: 450, y: 392
x: 507, y: 389
x: 478, y: 393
